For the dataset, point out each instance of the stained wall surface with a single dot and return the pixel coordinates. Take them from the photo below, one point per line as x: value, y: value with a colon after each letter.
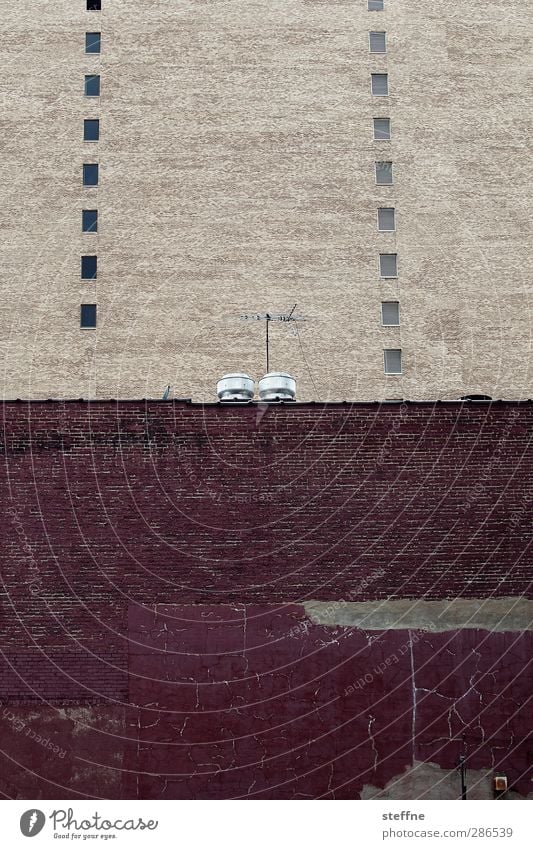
x: 256, y: 702
x: 284, y: 601
x: 236, y: 160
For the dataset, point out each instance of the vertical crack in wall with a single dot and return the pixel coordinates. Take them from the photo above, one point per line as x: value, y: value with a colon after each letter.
x: 413, y: 686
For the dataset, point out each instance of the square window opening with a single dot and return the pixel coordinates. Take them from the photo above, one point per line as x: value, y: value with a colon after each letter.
x: 89, y: 221
x: 94, y: 5
x: 88, y: 315
x: 393, y: 360
x: 376, y: 5
x: 92, y: 42
x: 390, y: 313
x: 89, y: 267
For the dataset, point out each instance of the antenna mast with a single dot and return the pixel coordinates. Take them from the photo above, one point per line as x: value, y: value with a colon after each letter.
x: 268, y: 317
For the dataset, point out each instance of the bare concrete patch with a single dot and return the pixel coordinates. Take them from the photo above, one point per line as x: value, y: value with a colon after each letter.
x: 501, y: 614
x: 430, y: 781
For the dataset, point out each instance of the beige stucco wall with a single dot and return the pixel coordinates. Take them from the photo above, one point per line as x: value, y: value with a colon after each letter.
x: 237, y: 176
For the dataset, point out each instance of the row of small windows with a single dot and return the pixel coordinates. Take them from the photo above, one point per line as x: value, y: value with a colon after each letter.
x: 382, y: 126
x: 388, y: 263
x: 91, y: 132
x: 377, y: 42
x: 392, y: 357
x: 390, y: 315
x: 386, y: 219
x: 383, y: 172
x: 390, y: 310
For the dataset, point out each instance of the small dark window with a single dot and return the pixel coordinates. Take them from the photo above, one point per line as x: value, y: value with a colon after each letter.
x: 390, y: 313
x: 90, y: 175
x: 380, y: 84
x: 92, y: 42
x: 92, y: 85
x: 388, y: 265
x: 382, y: 130
x: 89, y: 267
x: 384, y: 173
x: 386, y: 218
x: 375, y: 5
x: 91, y: 129
x: 88, y: 315
x: 89, y: 220
x: 94, y: 5
x: 378, y: 43
x: 392, y: 361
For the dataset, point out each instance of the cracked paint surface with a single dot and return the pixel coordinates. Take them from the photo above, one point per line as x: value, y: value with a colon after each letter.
x: 158, y: 606
x: 255, y: 701
x: 233, y: 722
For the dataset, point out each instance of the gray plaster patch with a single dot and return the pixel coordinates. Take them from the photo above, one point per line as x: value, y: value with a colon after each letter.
x: 502, y: 614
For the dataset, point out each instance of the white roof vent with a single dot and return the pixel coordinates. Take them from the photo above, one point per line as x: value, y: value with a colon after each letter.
x: 277, y: 386
x: 235, y: 387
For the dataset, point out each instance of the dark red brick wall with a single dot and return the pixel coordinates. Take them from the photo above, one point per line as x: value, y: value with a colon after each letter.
x: 231, y: 701
x: 113, y: 508
x: 174, y: 502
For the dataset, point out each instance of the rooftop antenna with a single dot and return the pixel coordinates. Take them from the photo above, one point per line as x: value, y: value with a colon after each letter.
x: 268, y: 317
x: 166, y: 393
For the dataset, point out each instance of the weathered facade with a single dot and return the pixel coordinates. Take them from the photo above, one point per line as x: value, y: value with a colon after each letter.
x: 237, y: 175
x: 284, y: 601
